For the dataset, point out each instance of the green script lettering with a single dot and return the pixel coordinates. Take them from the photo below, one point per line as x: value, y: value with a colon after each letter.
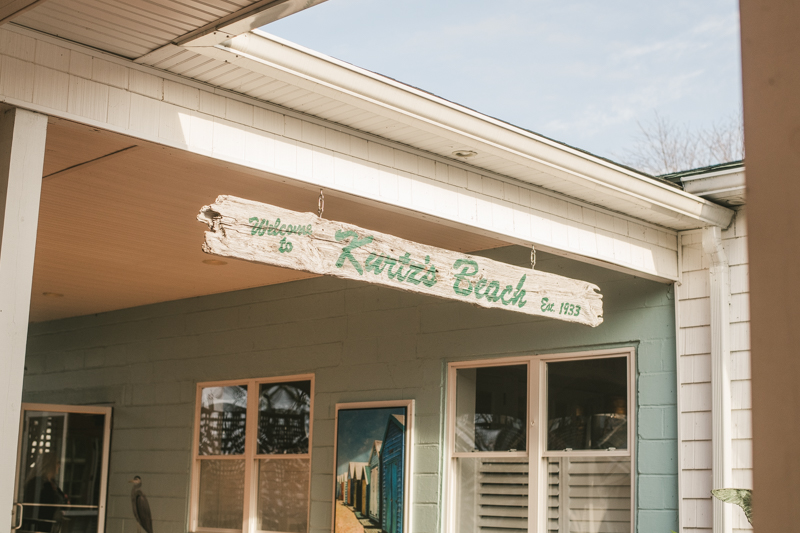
x: 470, y: 268
x: 355, y: 242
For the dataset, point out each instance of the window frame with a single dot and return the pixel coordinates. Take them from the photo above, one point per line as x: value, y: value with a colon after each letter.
x: 250, y: 455
x: 536, y: 452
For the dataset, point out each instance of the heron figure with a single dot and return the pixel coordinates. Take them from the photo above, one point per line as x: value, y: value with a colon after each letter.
x: 141, y: 509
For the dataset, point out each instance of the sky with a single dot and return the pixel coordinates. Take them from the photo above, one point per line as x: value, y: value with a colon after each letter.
x: 582, y: 72
x: 358, y: 429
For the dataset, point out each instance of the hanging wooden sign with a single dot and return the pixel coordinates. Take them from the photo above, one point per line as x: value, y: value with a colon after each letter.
x: 267, y: 234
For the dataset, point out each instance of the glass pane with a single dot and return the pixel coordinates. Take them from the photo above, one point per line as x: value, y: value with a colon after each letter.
x: 223, y: 418
x: 221, y: 502
x: 587, y: 404
x: 588, y: 494
x: 491, y: 409
x: 61, y: 464
x: 283, y: 417
x: 283, y: 495
x: 492, y: 495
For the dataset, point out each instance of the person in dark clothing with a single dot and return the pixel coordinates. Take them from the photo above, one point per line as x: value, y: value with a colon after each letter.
x: 41, y: 487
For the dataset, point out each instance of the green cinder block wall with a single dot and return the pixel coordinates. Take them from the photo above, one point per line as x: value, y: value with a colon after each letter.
x: 363, y: 343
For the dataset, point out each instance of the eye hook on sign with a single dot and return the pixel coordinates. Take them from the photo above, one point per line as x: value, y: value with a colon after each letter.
x: 320, y: 204
x: 533, y: 257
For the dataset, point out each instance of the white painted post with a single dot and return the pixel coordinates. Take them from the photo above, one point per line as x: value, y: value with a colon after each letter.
x: 22, y: 138
x: 722, y: 474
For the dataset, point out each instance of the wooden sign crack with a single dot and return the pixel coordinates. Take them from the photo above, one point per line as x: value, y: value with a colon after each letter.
x: 271, y: 235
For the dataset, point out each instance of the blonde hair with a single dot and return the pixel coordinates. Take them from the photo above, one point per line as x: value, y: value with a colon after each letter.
x: 46, y: 466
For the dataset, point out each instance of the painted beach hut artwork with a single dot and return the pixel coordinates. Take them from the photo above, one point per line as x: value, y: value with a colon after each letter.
x: 391, y: 474
x: 371, y: 461
x: 373, y: 471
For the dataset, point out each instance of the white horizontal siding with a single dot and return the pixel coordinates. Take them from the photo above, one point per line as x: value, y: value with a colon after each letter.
x: 694, y: 366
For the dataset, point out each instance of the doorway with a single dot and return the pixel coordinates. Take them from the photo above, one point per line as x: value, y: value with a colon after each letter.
x: 62, y: 469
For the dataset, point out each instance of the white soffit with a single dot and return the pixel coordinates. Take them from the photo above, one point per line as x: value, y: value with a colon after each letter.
x: 133, y: 28
x: 273, y: 70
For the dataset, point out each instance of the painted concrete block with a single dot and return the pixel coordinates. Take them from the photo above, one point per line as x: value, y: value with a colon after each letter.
x: 656, y: 389
x: 426, y: 489
x: 657, y: 457
x: 649, y: 521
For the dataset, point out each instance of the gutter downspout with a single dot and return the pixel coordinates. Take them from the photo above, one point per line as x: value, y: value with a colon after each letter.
x: 720, y: 375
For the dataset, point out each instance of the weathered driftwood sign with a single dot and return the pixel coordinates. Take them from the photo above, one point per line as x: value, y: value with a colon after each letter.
x: 303, y: 241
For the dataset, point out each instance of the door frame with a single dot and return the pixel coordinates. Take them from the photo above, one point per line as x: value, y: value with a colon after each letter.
x: 79, y: 409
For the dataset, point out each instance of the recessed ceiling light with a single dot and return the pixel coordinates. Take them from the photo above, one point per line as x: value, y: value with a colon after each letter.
x: 214, y: 262
x: 52, y: 295
x: 465, y: 153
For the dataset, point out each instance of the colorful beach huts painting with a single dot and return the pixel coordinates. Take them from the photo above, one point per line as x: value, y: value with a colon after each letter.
x: 371, y: 458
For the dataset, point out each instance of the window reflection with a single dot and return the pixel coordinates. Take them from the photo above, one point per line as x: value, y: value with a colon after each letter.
x: 491, y: 409
x: 221, y: 493
x: 587, y: 404
x: 223, y: 418
x: 283, y: 417
x: 283, y: 495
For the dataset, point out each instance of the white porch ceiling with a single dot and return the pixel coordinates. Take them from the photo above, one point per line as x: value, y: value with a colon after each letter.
x: 119, y: 231
x: 133, y: 28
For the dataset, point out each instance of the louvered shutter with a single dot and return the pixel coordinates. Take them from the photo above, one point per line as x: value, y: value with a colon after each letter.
x: 588, y: 495
x: 502, y: 496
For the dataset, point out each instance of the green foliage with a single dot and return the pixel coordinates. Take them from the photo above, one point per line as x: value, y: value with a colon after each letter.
x: 741, y: 497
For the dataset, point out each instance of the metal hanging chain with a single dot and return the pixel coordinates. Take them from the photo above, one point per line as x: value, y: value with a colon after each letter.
x: 320, y: 204
x: 533, y: 257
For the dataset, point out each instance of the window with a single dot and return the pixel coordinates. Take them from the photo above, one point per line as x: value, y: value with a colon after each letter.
x: 252, y: 455
x: 541, y: 444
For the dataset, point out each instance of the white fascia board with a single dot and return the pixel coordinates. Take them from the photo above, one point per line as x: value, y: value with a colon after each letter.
x: 714, y: 183
x: 260, y: 52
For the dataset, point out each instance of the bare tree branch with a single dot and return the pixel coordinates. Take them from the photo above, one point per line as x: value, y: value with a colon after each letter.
x: 663, y: 147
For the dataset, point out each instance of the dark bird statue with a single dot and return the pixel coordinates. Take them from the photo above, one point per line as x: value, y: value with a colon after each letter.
x: 141, y: 509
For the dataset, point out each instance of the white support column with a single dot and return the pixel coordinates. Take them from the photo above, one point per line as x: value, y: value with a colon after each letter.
x: 22, y: 139
x: 720, y: 376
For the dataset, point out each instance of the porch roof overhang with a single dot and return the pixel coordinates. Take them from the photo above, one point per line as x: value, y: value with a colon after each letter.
x: 310, y: 82
x: 307, y: 128
x: 726, y: 186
